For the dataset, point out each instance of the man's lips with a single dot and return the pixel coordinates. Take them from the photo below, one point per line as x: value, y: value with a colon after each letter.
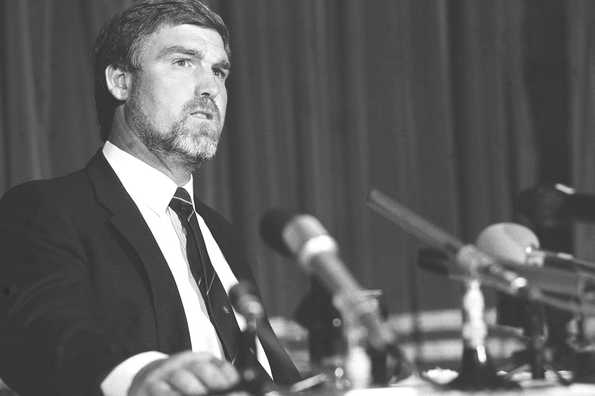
x: 206, y: 114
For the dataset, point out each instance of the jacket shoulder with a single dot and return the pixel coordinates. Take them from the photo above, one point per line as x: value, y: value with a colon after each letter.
x: 44, y: 195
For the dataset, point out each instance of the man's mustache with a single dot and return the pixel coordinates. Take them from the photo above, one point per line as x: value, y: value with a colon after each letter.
x: 203, y: 104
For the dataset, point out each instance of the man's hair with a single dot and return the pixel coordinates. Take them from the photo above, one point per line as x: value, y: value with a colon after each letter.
x: 121, y: 38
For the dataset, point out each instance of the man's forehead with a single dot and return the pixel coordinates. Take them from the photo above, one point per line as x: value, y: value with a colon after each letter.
x: 189, y: 36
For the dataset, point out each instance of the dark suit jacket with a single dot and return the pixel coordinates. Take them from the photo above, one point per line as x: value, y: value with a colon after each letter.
x: 84, y: 285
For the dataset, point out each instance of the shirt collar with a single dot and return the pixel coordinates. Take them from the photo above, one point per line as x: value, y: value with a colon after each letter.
x: 145, y: 184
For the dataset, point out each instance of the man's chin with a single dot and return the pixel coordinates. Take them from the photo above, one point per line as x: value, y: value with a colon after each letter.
x: 197, y: 157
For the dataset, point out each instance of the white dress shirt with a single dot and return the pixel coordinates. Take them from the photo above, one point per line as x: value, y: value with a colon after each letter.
x: 151, y: 190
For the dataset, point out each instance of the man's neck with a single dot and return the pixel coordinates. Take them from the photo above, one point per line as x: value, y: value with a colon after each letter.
x: 131, y: 143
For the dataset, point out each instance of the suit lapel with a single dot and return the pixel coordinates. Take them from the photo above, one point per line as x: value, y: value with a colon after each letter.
x: 171, y: 328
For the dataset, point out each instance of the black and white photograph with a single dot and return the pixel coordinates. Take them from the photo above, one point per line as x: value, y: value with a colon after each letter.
x: 297, y: 197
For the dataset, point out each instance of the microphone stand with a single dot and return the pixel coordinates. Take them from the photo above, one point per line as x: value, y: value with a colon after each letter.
x: 253, y: 378
x: 584, y: 349
x: 537, y: 337
x: 535, y: 333
x: 365, y: 363
x: 535, y: 355
x: 476, y: 371
x: 247, y: 362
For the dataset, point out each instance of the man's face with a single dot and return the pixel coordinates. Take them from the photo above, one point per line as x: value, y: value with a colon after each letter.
x: 178, y: 97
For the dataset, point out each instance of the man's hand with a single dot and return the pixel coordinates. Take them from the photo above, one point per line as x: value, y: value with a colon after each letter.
x: 186, y: 373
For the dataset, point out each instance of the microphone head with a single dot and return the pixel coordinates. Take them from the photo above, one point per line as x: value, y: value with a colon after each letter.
x: 507, y: 241
x: 244, y: 300
x: 239, y: 290
x: 287, y: 232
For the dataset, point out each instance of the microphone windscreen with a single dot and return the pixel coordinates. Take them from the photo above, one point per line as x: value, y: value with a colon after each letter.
x: 245, y: 301
x: 272, y: 227
x: 507, y: 241
x: 239, y: 290
x: 288, y: 233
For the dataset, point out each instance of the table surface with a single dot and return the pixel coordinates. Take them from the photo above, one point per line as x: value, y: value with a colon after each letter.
x: 415, y: 386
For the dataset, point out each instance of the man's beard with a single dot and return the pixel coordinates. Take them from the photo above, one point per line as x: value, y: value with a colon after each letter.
x: 191, y: 146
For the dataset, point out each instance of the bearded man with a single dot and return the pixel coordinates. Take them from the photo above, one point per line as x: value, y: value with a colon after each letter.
x: 114, y: 277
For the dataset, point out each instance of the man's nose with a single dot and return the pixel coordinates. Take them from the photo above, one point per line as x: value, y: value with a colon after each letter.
x: 208, y: 85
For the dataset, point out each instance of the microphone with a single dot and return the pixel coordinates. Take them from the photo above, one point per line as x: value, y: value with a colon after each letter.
x: 518, y: 247
x: 303, y: 237
x: 563, y: 282
x: 577, y: 206
x: 553, y: 205
x: 469, y: 258
x: 244, y: 300
x: 518, y: 244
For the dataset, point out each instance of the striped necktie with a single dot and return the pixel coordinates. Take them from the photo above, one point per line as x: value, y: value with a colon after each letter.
x: 214, y: 295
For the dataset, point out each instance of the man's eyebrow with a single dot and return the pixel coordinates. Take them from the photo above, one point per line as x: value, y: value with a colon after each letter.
x: 224, y: 64
x: 180, y: 49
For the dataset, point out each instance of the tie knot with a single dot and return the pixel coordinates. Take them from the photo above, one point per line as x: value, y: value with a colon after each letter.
x: 181, y: 204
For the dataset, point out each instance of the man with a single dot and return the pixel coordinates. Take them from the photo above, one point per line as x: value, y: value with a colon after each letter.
x: 107, y: 284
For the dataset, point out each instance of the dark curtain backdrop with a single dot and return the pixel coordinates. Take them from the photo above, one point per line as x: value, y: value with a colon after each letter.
x: 451, y: 107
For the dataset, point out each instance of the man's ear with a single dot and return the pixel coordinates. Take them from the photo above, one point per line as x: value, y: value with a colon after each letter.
x: 118, y: 81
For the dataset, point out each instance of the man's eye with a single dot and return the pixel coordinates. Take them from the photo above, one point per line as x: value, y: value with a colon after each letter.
x: 220, y: 73
x: 183, y: 62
